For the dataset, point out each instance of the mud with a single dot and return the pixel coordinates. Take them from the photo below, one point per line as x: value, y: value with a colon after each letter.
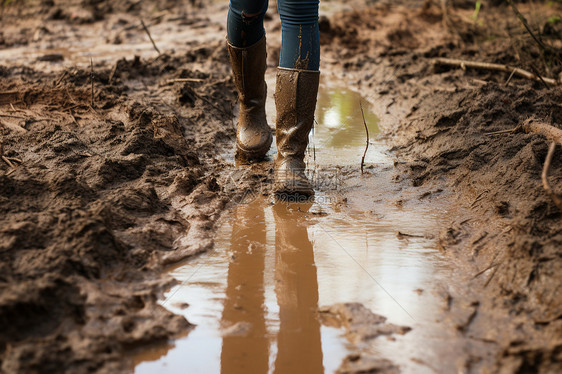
x: 97, y: 203
x: 99, y: 195
x: 254, y: 298
x: 511, y: 236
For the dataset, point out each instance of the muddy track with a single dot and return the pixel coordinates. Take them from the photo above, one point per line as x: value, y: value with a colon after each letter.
x: 102, y: 193
x: 107, y: 187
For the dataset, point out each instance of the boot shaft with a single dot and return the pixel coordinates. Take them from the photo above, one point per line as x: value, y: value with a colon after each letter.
x: 253, y: 135
x: 295, y: 101
x: 248, y: 67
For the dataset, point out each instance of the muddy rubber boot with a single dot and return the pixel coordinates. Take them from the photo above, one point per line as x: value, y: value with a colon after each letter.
x: 295, y: 101
x: 253, y: 135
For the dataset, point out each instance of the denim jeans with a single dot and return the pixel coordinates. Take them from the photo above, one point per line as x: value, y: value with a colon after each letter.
x: 300, y: 42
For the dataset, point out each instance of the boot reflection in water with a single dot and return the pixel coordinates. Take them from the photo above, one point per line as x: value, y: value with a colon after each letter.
x: 245, y: 347
x: 246, y: 350
x: 299, y: 348
x: 295, y: 92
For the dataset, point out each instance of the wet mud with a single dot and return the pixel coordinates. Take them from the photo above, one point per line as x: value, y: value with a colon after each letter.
x: 113, y: 173
x: 274, y: 293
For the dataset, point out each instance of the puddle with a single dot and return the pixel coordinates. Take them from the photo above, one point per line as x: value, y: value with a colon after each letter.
x: 338, y: 137
x: 254, y: 298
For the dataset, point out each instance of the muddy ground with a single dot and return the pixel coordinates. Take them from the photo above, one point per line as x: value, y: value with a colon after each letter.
x: 105, y: 186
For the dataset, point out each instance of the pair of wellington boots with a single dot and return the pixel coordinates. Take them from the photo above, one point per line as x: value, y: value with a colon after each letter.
x: 295, y: 101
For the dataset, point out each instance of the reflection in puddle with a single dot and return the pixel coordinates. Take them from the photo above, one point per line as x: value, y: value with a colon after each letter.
x: 340, y: 124
x: 254, y: 299
x: 338, y: 137
x: 245, y: 343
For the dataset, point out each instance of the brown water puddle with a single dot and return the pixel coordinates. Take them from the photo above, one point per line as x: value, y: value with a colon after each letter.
x: 254, y: 299
x: 338, y: 137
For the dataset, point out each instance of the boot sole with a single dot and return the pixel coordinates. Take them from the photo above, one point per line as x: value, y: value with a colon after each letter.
x: 284, y: 192
x: 254, y: 155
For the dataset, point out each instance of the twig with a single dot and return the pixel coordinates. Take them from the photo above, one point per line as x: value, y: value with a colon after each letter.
x: 311, y: 149
x: 113, y: 71
x: 548, y: 131
x: 463, y: 64
x: 493, y: 265
x: 515, y: 129
x: 181, y: 80
x: 402, y: 235
x: 150, y: 36
x: 552, y: 133
x: 526, y: 25
x: 58, y: 81
x: 479, y: 197
x: 92, y: 81
x: 544, y: 177
x: 555, y: 135
x: 11, y: 116
x: 538, y: 75
x: 510, y: 76
x: 492, y: 275
x: 6, y: 160
x: 367, y: 132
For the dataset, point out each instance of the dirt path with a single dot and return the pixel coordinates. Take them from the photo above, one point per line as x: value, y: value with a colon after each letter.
x: 99, y: 192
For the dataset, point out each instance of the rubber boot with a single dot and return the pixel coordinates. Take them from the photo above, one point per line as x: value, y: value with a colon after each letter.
x: 253, y: 135
x: 295, y: 100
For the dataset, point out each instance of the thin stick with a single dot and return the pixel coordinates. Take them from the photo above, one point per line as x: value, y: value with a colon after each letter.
x: 510, y: 76
x: 526, y: 25
x: 544, y: 177
x: 515, y: 129
x: 11, y: 116
x: 113, y: 71
x: 150, y: 36
x: 401, y: 235
x: 479, y: 197
x: 92, y: 80
x: 312, y: 144
x: 530, y: 126
x: 541, y: 78
x: 489, y: 66
x: 492, y: 275
x: 181, y: 80
x: 58, y: 81
x: 552, y: 133
x: 6, y: 160
x: 367, y: 132
x: 548, y: 131
x: 493, y: 265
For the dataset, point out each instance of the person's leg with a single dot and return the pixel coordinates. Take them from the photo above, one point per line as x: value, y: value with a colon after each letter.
x: 295, y: 93
x: 300, y: 43
x: 247, y: 50
x: 244, y: 23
